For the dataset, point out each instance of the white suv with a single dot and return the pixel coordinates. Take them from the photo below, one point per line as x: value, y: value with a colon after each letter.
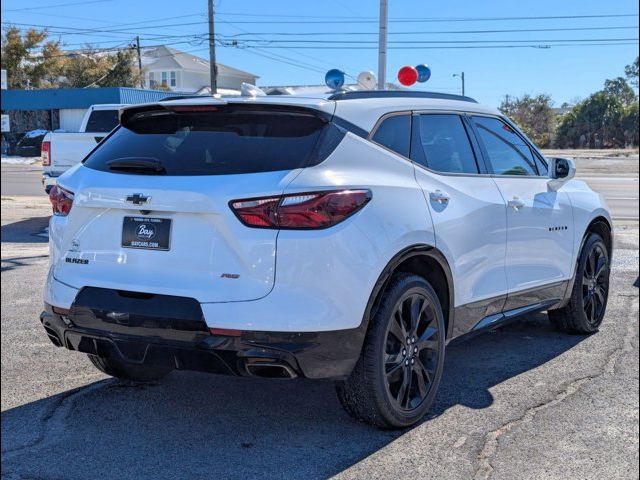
x: 349, y: 237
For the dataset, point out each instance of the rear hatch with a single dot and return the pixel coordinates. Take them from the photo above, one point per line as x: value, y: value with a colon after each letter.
x: 151, y: 204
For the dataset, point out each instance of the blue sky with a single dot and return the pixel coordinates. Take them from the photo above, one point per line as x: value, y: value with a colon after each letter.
x: 565, y: 72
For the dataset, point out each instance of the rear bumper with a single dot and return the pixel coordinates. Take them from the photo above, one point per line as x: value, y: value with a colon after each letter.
x: 164, y: 330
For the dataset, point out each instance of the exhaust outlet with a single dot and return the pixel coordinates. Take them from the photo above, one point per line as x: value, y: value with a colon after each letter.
x: 270, y: 370
x: 53, y: 336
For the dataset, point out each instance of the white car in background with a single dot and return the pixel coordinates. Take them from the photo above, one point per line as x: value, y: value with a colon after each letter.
x: 349, y: 237
x: 62, y: 150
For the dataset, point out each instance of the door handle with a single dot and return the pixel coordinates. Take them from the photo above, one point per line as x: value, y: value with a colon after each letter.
x: 516, y: 203
x: 439, y: 196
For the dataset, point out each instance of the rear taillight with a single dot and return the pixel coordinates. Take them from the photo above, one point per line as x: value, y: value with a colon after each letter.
x: 312, y: 210
x: 61, y: 200
x: 46, y: 153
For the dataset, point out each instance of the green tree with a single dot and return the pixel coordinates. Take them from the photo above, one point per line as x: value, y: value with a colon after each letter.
x: 594, y: 123
x: 123, y: 72
x: 631, y: 72
x: 618, y: 87
x: 30, y: 60
x: 630, y: 125
x: 85, y: 68
x: 33, y: 62
x: 534, y: 115
x: 92, y: 68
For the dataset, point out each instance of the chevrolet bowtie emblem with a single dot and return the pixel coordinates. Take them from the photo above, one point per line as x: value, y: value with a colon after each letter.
x: 138, y: 199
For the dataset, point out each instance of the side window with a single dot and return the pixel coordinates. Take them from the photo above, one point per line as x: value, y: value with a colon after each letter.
x: 102, y: 121
x: 444, y: 144
x: 507, y: 153
x: 395, y: 133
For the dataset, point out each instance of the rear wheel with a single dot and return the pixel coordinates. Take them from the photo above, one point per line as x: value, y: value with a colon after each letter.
x: 129, y: 371
x: 396, y: 378
x: 585, y: 310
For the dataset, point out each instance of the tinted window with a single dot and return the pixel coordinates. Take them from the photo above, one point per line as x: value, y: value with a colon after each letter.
x: 228, y: 141
x: 445, y: 144
x: 102, y: 121
x: 395, y: 133
x: 508, y: 153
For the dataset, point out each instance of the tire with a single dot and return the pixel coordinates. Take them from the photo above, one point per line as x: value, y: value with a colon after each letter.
x: 129, y: 371
x: 588, y: 302
x: 391, y: 385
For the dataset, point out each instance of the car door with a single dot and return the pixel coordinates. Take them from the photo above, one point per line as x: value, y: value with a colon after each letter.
x: 539, y: 220
x: 467, y: 211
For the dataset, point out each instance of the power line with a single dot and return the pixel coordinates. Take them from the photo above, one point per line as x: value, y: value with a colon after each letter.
x: 333, y: 17
x: 420, y: 42
x: 104, y: 30
x: 404, y: 20
x: 542, y: 45
x: 86, y: 31
x: 333, y: 20
x: 121, y: 46
x: 439, y: 32
x: 296, y: 63
x: 187, y: 39
x: 56, y: 5
x: 292, y: 63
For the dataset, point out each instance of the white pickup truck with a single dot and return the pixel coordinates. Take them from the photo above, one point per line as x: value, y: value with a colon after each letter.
x: 62, y: 150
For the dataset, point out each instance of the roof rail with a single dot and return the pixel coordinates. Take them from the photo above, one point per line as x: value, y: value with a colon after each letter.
x: 183, y: 97
x: 357, y: 94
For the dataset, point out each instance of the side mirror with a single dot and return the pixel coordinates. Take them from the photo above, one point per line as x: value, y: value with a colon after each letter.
x: 561, y: 170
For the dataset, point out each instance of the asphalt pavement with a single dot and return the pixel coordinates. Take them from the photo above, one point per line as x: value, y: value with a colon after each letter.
x: 522, y: 402
x: 21, y: 180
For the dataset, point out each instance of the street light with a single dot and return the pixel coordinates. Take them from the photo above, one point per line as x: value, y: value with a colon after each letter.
x: 461, y: 75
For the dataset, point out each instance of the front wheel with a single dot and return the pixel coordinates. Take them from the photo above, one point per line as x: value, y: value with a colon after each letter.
x: 585, y: 311
x: 397, y: 375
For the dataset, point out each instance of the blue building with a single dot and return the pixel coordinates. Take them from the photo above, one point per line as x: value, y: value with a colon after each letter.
x: 63, y: 108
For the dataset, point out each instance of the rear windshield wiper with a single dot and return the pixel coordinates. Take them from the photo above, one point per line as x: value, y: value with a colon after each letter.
x: 137, y: 165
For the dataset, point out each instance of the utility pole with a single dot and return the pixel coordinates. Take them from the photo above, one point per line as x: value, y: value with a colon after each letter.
x: 382, y: 45
x: 461, y: 75
x: 139, y: 62
x: 213, y: 68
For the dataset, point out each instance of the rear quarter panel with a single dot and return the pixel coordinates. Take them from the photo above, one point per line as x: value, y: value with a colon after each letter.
x: 329, y: 274
x: 587, y: 206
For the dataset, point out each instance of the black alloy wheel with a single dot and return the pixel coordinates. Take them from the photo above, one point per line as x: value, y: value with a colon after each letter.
x: 584, y: 311
x: 411, y: 350
x: 595, y: 284
x: 396, y: 378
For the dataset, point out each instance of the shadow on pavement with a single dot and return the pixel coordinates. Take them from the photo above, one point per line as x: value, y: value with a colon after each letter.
x: 193, y: 425
x: 25, y: 231
x: 16, y: 262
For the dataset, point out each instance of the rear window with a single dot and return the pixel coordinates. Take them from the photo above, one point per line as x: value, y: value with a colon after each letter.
x: 229, y: 140
x: 102, y: 121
